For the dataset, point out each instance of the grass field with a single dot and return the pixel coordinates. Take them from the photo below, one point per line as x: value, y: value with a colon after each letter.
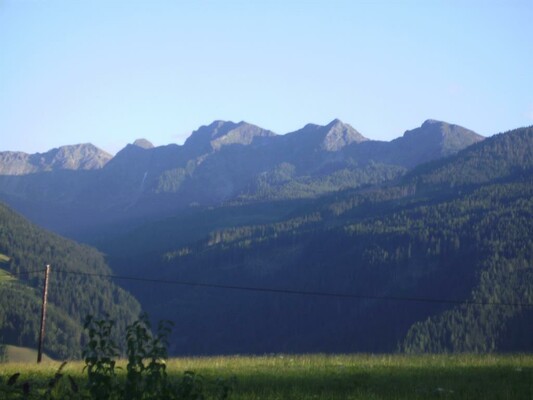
x: 345, y: 376
x: 17, y: 354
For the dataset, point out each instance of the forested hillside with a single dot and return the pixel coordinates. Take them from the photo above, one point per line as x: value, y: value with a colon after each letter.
x: 436, y: 259
x: 452, y: 231
x: 25, y: 249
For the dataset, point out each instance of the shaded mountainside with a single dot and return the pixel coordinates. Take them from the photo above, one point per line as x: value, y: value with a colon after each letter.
x: 431, y: 141
x: 25, y: 248
x: 434, y: 139
x: 459, y: 229
x: 497, y: 157
x: 395, y: 236
x: 220, y: 163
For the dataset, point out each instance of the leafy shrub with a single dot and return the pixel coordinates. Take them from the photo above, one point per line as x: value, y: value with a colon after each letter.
x: 99, y: 356
x: 146, y: 376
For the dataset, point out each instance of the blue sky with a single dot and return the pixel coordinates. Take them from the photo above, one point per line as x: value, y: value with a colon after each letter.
x: 108, y: 72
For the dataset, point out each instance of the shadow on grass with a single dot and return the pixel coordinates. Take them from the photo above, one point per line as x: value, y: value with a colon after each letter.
x: 387, y: 383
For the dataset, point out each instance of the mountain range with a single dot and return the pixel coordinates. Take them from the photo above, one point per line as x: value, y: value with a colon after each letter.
x: 76, y: 157
x: 438, y: 259
x: 319, y: 240
x: 218, y: 163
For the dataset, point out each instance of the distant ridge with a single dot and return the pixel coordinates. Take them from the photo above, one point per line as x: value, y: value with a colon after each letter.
x: 332, y: 137
x: 221, y: 162
x: 143, y: 143
x: 433, y: 139
x: 73, y: 157
x: 449, y: 138
x: 223, y: 133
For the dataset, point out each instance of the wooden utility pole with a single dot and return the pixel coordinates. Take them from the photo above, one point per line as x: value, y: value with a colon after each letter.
x: 43, y: 314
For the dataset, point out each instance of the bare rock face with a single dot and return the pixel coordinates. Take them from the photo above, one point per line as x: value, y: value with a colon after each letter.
x: 74, y: 157
x: 223, y: 133
x: 220, y: 162
x: 332, y: 137
x: 143, y: 144
x: 15, y: 163
x: 339, y: 135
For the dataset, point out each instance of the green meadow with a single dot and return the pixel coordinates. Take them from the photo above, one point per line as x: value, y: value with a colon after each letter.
x: 463, y: 376
x: 21, y: 355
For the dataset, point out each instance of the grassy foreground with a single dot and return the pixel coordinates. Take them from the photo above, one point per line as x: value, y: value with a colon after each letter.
x: 22, y: 355
x: 343, y: 376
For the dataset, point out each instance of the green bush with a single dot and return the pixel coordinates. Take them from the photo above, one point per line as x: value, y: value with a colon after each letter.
x: 146, y: 376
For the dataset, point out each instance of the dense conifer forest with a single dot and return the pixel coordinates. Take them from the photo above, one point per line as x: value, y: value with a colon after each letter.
x: 25, y: 250
x: 451, y: 231
x: 435, y: 259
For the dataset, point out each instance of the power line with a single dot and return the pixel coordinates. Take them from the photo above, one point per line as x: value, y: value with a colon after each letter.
x: 298, y: 292
x: 35, y: 271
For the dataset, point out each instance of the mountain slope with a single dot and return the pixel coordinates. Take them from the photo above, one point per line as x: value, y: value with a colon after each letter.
x: 438, y: 139
x: 223, y: 162
x: 497, y: 157
x: 431, y: 141
x: 423, y: 237
x: 73, y: 292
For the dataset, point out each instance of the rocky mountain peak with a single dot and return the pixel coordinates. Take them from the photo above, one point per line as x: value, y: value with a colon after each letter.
x: 331, y: 137
x: 442, y: 137
x: 143, y: 144
x: 79, y: 156
x: 339, y: 134
x: 431, y: 122
x: 222, y: 133
x: 73, y: 157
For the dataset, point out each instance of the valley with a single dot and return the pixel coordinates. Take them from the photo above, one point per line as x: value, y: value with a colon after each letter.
x: 319, y: 240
